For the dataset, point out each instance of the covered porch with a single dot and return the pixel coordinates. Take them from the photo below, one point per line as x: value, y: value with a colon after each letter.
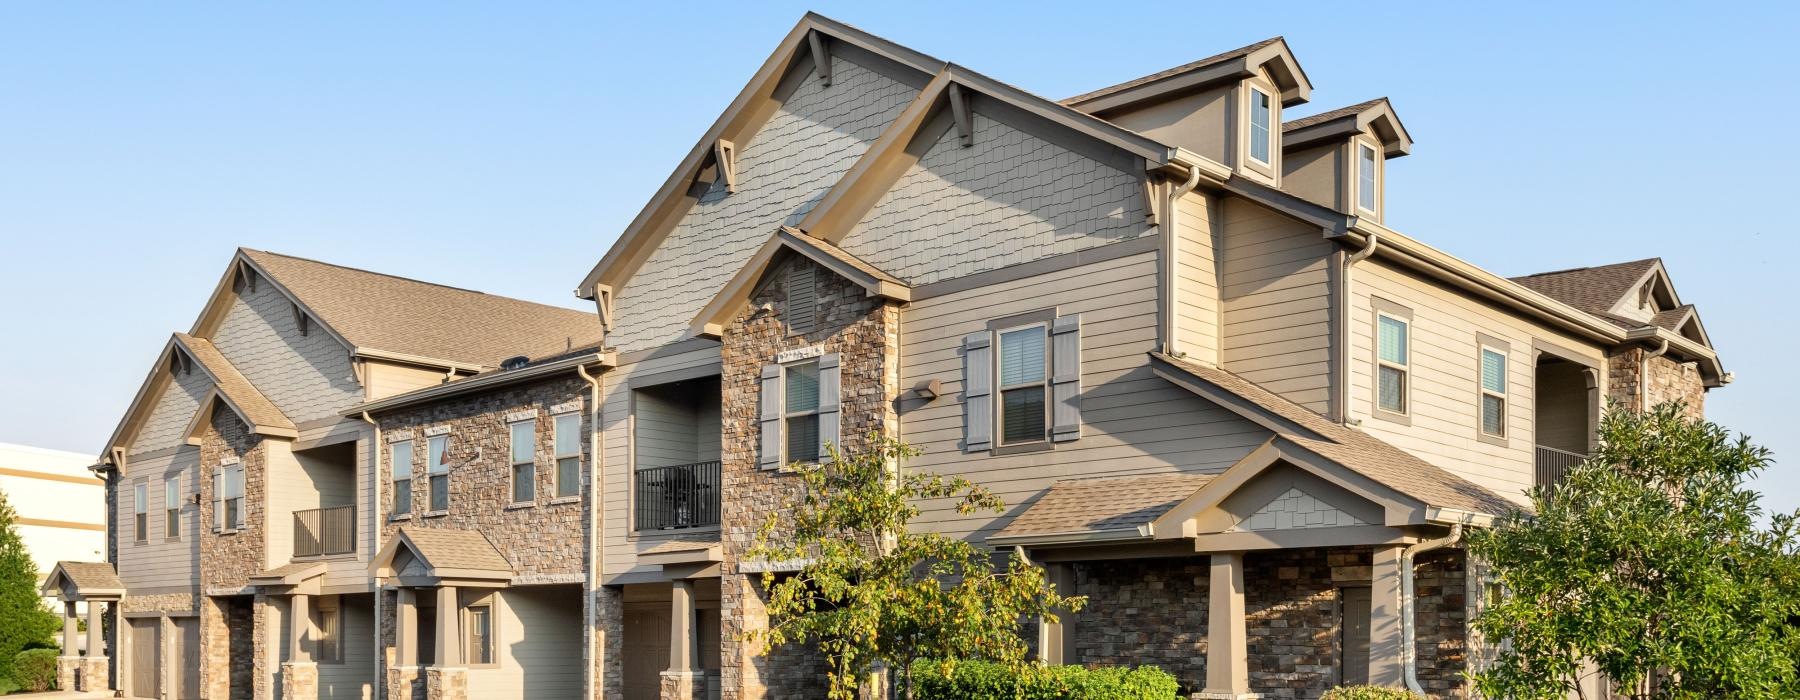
x: 671, y: 628
x: 95, y: 587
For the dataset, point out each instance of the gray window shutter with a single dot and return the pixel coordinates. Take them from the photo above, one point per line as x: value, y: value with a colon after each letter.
x: 829, y: 416
x: 218, y: 489
x: 771, y: 417
x: 1065, y: 378
x: 978, y: 393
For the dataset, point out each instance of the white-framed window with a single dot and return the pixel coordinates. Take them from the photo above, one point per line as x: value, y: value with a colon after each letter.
x: 800, y: 411
x: 522, y: 437
x: 228, y: 498
x: 567, y: 438
x: 1024, y: 384
x: 1262, y: 115
x: 140, y: 509
x: 1367, y: 178
x: 437, y: 471
x: 1393, y: 368
x: 1493, y: 392
x: 172, y: 508
x: 478, y: 627
x: 400, y: 455
x: 328, y: 631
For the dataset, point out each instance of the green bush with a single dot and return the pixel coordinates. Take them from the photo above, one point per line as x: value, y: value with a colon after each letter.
x: 35, y: 670
x: 980, y: 680
x: 1369, y: 692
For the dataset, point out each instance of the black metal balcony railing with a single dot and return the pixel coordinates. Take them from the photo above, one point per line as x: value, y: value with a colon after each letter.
x: 325, y: 531
x: 1553, y: 465
x: 670, y: 498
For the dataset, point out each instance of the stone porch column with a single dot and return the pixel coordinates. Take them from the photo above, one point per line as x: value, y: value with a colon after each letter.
x: 1384, y: 617
x: 68, y: 665
x: 684, y: 675
x: 448, y: 679
x: 94, y: 668
x: 1056, y: 640
x: 299, y: 675
x: 1227, y: 654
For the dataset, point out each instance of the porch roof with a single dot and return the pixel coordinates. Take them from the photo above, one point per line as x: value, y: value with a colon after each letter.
x: 1098, y: 509
x: 442, y: 553
x: 85, y: 579
x: 289, y: 574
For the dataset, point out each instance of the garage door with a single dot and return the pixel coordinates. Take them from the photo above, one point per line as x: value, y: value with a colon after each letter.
x: 186, y: 673
x: 146, y: 640
x: 646, y: 649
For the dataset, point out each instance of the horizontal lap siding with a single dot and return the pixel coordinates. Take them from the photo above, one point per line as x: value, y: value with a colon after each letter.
x: 666, y: 430
x: 1197, y: 278
x: 1444, y: 357
x: 539, y: 645
x: 620, y: 549
x: 159, y: 562
x: 1275, y: 285
x: 351, y: 679
x: 1133, y: 421
x: 387, y: 379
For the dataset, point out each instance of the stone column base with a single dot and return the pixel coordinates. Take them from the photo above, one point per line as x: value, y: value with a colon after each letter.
x: 446, y: 683
x: 682, y: 685
x: 93, y: 674
x: 299, y: 680
x: 403, y: 683
x: 1223, y: 695
x: 68, y: 668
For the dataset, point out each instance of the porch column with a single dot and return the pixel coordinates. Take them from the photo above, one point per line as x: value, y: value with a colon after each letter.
x: 96, y: 644
x: 1227, y: 655
x: 299, y: 618
x: 1384, y: 617
x: 69, y: 629
x: 68, y: 664
x: 299, y: 675
x: 406, y: 628
x: 1056, y: 640
x: 681, y: 627
x: 449, y: 637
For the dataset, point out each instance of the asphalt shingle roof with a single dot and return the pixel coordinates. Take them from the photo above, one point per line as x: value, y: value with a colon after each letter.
x: 1183, y: 68
x: 257, y: 408
x: 445, y: 548
x: 91, y: 576
x: 1099, y: 505
x: 1332, y: 115
x: 1590, y: 289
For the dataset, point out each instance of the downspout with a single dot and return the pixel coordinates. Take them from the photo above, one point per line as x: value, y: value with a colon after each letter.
x: 595, y: 535
x: 375, y: 517
x: 1170, y: 266
x: 1643, y: 378
x: 1409, y: 650
x: 1344, y: 320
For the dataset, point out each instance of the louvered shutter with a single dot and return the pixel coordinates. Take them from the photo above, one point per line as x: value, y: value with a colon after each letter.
x: 1065, y: 378
x: 218, y: 504
x: 978, y: 393
x: 771, y: 417
x: 829, y: 416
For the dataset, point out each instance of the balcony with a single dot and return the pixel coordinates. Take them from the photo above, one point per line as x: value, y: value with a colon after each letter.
x: 1553, y: 465
x: 678, y: 497
x: 325, y: 531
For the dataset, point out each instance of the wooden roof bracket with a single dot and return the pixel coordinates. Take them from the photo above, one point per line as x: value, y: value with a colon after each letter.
x: 965, y: 120
x: 821, y: 57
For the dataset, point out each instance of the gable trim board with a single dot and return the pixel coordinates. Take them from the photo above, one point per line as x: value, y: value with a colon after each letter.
x: 711, y: 320
x: 482, y: 382
x: 1342, y: 123
x: 1236, y: 64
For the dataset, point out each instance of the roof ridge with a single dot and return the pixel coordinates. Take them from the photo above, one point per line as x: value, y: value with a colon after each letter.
x: 413, y: 280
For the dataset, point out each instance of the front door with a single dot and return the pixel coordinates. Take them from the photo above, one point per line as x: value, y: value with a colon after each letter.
x: 186, y: 674
x: 1354, y: 665
x: 146, y: 640
x: 646, y: 649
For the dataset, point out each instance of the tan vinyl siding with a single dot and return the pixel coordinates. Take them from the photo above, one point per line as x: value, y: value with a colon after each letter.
x: 1444, y: 373
x: 350, y: 573
x: 1201, y: 122
x: 1274, y: 279
x: 1316, y: 174
x: 387, y: 379
x: 308, y: 376
x: 538, y: 645
x: 1011, y: 198
x: 812, y: 139
x: 665, y: 430
x: 174, y: 409
x: 1134, y: 421
x: 620, y: 548
x: 1197, y: 283
x: 159, y: 562
x: 352, y: 679
x: 287, y: 489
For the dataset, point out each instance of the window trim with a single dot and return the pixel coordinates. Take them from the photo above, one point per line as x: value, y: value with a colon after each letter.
x: 1379, y: 308
x: 491, y: 602
x: 786, y: 435
x: 1000, y: 387
x: 1374, y: 187
x: 557, y: 456
x: 1269, y: 127
x: 227, y: 526
x: 1484, y: 344
x: 512, y: 465
x: 172, y: 508
x: 394, y: 478
x: 140, y: 510
x: 994, y: 328
x: 432, y: 474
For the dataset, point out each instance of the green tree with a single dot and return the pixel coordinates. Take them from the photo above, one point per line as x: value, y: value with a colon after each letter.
x: 1647, y: 562
x: 870, y: 593
x: 24, y: 620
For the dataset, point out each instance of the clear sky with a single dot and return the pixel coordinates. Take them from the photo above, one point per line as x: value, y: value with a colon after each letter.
x: 503, y: 146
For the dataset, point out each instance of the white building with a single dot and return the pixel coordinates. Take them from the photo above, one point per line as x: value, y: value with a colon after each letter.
x: 61, y: 506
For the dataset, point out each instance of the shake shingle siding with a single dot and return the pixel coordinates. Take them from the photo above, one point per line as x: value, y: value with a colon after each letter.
x: 810, y: 141
x: 174, y: 409
x: 307, y: 376
x: 1011, y: 198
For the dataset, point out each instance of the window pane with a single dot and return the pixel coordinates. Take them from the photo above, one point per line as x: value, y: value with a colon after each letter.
x: 803, y: 438
x: 440, y: 493
x: 172, y: 494
x: 1022, y: 356
x: 1393, y: 340
x: 143, y: 527
x: 234, y: 482
x: 803, y: 387
x: 1393, y: 389
x: 435, y: 457
x: 140, y: 498
x: 1493, y: 371
x: 1259, y: 126
x: 568, y: 434
x: 480, y: 630
x: 1022, y: 414
x: 1365, y: 191
x: 1493, y: 414
x: 231, y: 513
x: 402, y: 496
x: 402, y: 459
x: 328, y: 636
x: 523, y: 437
x: 524, y: 485
x: 568, y: 476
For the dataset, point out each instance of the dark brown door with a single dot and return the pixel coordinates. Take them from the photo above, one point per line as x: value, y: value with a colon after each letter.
x: 1354, y: 666
x: 186, y: 674
x: 146, y: 640
x: 646, y: 649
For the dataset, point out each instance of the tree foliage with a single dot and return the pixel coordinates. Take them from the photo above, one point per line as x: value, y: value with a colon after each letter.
x: 1648, y: 563
x: 25, y: 622
x: 870, y: 593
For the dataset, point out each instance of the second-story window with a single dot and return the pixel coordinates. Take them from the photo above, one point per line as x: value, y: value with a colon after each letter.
x: 568, y: 454
x: 801, y: 409
x: 228, y: 494
x: 1365, y: 176
x: 401, y: 453
x: 172, y: 508
x: 437, y: 470
x: 1023, y: 407
x: 1261, y: 117
x: 1393, y: 364
x: 1493, y: 392
x: 140, y: 509
x: 524, y: 453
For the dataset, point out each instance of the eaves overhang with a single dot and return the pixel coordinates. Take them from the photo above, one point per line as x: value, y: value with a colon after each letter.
x: 483, y: 382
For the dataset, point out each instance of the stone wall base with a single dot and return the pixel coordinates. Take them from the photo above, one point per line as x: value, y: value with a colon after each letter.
x: 1217, y: 695
x: 451, y: 683
x: 68, y: 668
x: 682, y: 685
x: 404, y: 683
x: 299, y: 680
x: 94, y: 670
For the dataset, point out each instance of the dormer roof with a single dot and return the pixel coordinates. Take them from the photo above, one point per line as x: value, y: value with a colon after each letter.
x: 1239, y: 63
x: 1375, y: 115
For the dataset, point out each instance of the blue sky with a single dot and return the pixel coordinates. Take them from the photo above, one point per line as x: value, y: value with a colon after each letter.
x: 503, y: 146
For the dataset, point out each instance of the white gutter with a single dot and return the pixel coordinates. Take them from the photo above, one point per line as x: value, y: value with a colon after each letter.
x: 1408, y: 635
x: 375, y: 517
x: 1345, y: 303
x: 596, y: 521
x: 1643, y: 378
x: 1171, y: 239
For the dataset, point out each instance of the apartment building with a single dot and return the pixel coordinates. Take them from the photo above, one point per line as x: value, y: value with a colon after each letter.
x: 1221, y: 398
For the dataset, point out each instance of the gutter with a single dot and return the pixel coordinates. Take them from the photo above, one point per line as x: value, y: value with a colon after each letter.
x: 483, y: 381
x: 1345, y: 303
x: 1077, y: 537
x: 375, y: 514
x: 1171, y: 241
x: 1643, y: 375
x: 1409, y: 650
x: 596, y: 557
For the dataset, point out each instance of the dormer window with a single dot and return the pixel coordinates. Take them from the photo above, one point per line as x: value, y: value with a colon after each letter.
x: 1367, y: 160
x: 1262, y: 115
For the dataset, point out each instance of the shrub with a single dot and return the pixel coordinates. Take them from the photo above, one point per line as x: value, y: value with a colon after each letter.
x: 980, y: 680
x: 35, y: 670
x: 1369, y: 692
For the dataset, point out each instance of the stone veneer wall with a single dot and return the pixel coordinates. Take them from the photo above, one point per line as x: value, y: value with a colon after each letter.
x: 1667, y: 380
x: 865, y: 333
x: 1145, y: 612
x: 226, y: 628
x: 228, y: 560
x: 1441, y: 615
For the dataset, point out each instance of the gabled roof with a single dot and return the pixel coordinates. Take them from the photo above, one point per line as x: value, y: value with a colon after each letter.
x: 290, y: 574
x: 1099, y: 509
x: 712, y: 317
x: 1591, y: 289
x: 738, y: 123
x: 88, y: 579
x: 1377, y: 114
x: 1237, y: 63
x: 445, y: 554
x: 239, y: 394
